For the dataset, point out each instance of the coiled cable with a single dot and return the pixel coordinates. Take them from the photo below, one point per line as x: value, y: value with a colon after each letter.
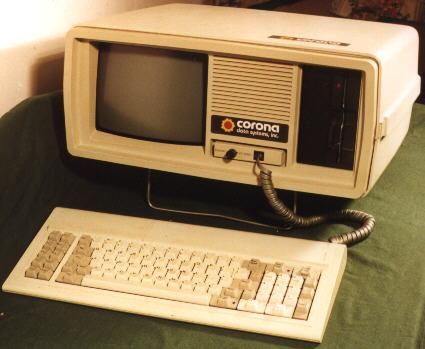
x: 366, y: 221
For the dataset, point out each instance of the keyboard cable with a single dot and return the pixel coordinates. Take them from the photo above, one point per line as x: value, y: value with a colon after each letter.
x: 366, y: 221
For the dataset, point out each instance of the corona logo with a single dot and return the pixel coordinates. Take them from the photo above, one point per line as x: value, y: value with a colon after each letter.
x: 258, y: 126
x: 227, y: 125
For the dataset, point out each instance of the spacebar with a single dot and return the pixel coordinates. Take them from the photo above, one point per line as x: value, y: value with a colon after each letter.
x: 142, y: 290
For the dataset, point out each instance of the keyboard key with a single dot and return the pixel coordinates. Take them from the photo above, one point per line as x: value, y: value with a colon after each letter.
x: 224, y: 302
x: 297, y: 281
x: 252, y: 306
x: 69, y: 278
x: 301, y: 311
x: 32, y: 272
x: 145, y: 290
x: 174, y: 284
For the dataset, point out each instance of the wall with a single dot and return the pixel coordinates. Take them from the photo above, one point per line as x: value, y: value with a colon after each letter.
x: 32, y: 41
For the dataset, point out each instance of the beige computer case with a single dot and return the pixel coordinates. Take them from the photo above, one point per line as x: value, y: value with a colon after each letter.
x: 386, y: 54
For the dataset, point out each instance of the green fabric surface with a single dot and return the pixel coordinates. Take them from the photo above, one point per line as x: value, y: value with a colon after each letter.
x: 381, y: 301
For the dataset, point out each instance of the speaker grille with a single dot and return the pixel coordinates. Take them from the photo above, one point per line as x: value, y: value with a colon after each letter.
x: 252, y: 88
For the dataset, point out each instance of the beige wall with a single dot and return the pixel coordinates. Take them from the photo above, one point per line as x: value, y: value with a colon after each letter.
x: 32, y: 41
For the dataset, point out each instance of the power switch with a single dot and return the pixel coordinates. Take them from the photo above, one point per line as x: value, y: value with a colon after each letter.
x: 258, y: 155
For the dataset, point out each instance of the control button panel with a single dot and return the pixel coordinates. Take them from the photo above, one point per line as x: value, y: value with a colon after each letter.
x: 233, y: 151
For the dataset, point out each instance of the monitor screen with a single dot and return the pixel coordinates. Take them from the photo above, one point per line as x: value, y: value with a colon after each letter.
x: 151, y: 93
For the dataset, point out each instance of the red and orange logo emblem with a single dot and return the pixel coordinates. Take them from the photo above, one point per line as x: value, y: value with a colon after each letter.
x: 227, y: 125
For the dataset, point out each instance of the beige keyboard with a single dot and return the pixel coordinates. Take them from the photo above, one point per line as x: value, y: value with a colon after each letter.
x: 239, y: 280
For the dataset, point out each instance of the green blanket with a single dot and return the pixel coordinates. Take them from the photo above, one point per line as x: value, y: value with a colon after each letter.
x: 381, y: 301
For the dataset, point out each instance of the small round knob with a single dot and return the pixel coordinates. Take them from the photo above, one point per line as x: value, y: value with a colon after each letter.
x: 230, y: 154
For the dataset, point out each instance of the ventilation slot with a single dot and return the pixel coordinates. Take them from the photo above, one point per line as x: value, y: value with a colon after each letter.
x: 250, y: 88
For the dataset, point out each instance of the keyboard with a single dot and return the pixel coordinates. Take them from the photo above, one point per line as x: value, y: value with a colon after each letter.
x: 218, y: 277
